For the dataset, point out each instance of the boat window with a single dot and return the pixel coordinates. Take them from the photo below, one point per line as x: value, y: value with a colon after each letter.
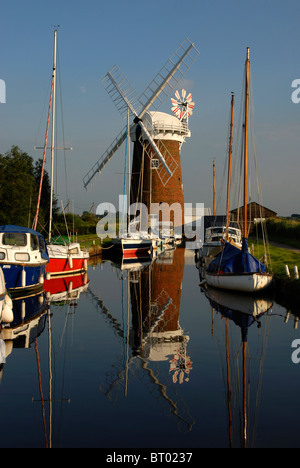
x: 22, y: 257
x: 74, y: 250
x: 2, y: 255
x: 42, y: 245
x: 34, y: 242
x: 14, y: 238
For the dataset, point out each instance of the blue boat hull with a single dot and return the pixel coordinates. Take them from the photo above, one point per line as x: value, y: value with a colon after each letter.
x: 13, y: 276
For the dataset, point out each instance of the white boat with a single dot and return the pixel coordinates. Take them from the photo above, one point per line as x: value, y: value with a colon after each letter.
x: 246, y: 282
x: 214, y: 236
x: 233, y: 268
x: 133, y: 247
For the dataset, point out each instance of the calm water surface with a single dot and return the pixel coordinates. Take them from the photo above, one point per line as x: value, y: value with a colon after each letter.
x: 144, y: 358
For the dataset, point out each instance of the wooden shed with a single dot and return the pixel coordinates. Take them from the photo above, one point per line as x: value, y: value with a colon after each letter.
x: 255, y: 213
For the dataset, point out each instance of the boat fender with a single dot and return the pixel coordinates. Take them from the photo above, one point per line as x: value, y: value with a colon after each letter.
x: 23, y: 278
x: 70, y: 287
x: 23, y: 309
x: 8, y: 301
x: 7, y: 314
x: 41, y: 279
x: 41, y: 299
x: 48, y: 276
x: 70, y: 260
x: 85, y: 264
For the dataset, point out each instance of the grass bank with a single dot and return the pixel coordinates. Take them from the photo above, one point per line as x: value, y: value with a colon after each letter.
x: 285, y: 290
x: 280, y: 257
x: 284, y: 231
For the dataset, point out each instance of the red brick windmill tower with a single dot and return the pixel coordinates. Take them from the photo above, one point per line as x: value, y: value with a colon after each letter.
x: 158, y: 136
x: 156, y: 187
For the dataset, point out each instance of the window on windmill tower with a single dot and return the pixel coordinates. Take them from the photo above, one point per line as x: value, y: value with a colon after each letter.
x: 154, y: 163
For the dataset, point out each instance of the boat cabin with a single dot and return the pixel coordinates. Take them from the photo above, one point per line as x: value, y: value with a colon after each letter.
x: 21, y: 245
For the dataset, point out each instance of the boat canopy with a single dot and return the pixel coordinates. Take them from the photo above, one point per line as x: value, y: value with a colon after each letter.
x: 13, y: 228
x: 234, y: 260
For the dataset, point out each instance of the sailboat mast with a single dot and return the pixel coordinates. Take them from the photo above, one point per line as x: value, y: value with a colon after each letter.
x: 53, y: 131
x: 229, y: 165
x: 245, y: 231
x: 214, y: 187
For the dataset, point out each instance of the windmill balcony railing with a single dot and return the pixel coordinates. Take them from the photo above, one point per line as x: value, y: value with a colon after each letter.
x: 165, y: 127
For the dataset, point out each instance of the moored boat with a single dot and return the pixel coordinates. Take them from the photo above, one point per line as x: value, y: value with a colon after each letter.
x: 214, y: 235
x: 233, y: 268
x: 63, y: 259
x: 133, y: 247
x: 23, y: 258
x: 237, y: 270
x: 66, y: 259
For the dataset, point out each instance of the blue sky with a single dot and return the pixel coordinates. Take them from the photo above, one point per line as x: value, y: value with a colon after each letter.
x: 139, y: 37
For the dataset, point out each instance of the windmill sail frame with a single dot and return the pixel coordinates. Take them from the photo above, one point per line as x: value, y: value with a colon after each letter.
x: 124, y: 98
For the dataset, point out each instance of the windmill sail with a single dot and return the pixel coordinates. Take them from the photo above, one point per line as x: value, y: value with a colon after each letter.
x: 124, y: 97
x: 104, y: 159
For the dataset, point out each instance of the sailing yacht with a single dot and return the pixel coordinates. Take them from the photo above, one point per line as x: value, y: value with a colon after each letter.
x: 69, y: 258
x: 216, y: 234
x: 234, y: 268
x: 133, y: 243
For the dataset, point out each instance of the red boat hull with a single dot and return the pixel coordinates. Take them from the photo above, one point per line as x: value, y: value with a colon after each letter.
x: 59, y: 266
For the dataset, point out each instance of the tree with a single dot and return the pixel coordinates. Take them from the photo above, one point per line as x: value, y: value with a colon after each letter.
x: 17, y: 187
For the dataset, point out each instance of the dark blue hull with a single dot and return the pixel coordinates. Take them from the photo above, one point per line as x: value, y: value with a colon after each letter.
x: 13, y: 276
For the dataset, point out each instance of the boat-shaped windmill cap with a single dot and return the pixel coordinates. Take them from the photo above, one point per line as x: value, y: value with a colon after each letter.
x: 163, y: 126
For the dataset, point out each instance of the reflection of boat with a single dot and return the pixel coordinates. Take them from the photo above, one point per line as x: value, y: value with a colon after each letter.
x: 30, y: 314
x: 129, y: 263
x: 233, y: 268
x: 66, y: 287
x: 228, y: 302
x: 23, y: 258
x: 243, y: 311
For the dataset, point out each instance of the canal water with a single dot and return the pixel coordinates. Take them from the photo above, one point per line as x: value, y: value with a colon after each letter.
x: 141, y: 357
